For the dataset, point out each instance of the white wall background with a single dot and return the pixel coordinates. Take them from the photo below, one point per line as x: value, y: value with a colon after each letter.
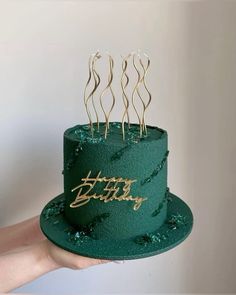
x: 44, y: 47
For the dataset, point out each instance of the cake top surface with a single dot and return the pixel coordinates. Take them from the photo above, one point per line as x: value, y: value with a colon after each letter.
x: 82, y: 133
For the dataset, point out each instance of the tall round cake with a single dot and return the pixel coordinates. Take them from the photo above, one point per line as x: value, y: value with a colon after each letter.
x: 116, y: 203
x: 126, y: 180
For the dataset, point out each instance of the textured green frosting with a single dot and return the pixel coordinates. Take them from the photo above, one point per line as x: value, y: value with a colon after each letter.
x: 141, y: 159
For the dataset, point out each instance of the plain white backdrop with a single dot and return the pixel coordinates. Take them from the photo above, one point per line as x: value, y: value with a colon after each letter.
x: 44, y: 47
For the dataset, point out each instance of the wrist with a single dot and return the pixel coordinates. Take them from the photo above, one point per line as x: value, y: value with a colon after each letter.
x: 45, y: 261
x: 35, y: 260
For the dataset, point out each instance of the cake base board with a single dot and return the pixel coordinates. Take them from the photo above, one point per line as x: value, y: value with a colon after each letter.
x: 177, y: 227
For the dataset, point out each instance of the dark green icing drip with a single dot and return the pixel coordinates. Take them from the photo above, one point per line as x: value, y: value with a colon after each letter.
x: 160, y: 206
x: 54, y: 209
x: 174, y: 222
x: 82, y: 233
x: 156, y: 170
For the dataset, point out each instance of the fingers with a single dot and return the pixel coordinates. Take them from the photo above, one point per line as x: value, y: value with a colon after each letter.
x: 64, y: 258
x: 82, y: 262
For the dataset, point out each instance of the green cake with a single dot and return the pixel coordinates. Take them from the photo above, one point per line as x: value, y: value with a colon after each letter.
x: 134, y: 159
x: 116, y: 203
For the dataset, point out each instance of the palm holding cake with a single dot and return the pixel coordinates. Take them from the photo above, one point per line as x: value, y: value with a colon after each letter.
x: 116, y: 203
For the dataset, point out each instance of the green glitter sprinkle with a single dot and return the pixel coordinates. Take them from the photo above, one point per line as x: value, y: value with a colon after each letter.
x: 156, y: 171
x: 86, y: 232
x: 77, y: 237
x: 150, y: 238
x: 86, y: 127
x: 94, y: 139
x: 83, y: 134
x: 116, y: 124
x: 54, y: 209
x: 176, y: 221
x: 160, y: 206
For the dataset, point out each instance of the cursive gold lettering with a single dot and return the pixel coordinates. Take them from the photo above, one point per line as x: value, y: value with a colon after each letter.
x: 111, y: 189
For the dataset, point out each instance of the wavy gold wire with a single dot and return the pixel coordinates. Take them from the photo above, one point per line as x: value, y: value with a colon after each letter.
x: 145, y: 69
x: 85, y: 91
x: 136, y: 90
x: 92, y: 60
x: 97, y: 81
x: 108, y: 87
x: 141, y: 71
x: 124, y: 84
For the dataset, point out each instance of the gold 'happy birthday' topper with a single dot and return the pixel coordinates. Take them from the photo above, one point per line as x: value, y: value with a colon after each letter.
x: 111, y: 189
x: 141, y: 68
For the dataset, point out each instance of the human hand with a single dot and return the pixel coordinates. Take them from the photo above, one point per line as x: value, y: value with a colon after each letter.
x: 61, y: 258
x: 20, y: 235
x: 25, y: 244
x: 37, y: 259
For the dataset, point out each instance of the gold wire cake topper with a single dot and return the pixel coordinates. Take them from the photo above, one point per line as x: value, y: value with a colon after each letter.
x: 136, y: 59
